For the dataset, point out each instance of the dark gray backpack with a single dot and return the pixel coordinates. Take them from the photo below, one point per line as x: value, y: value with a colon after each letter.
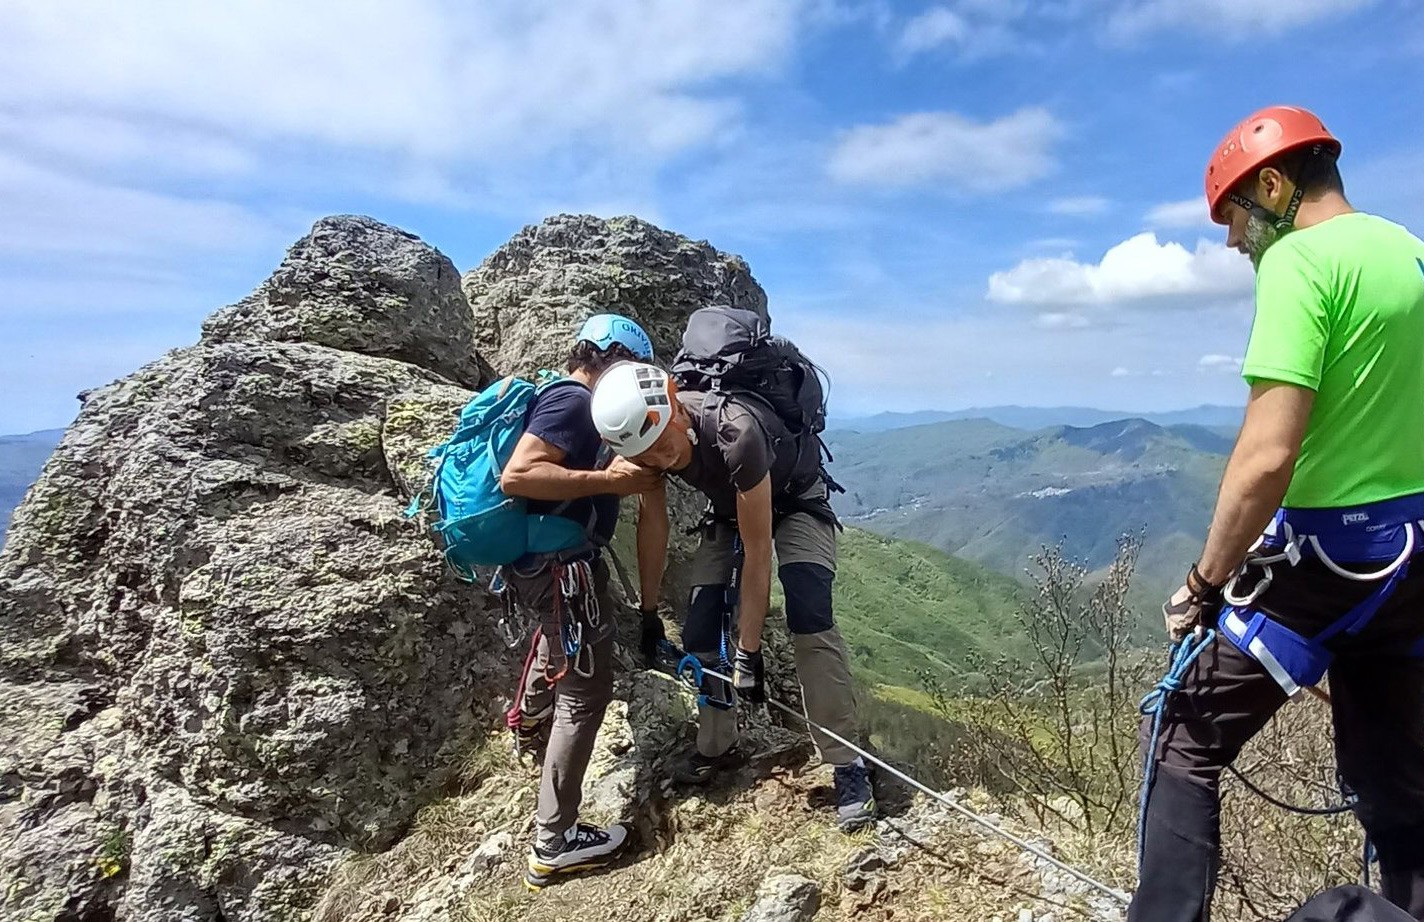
x: 729, y: 351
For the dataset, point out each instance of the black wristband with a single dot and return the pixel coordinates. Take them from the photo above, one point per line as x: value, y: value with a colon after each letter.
x: 648, y: 612
x: 1203, y: 588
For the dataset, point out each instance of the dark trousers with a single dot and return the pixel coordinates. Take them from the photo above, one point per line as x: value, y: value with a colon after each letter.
x: 1377, y: 689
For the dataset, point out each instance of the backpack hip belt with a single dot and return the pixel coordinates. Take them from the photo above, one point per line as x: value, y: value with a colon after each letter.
x: 1389, y: 533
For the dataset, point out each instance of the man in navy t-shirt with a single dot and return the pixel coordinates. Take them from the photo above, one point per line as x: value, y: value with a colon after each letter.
x: 567, y: 686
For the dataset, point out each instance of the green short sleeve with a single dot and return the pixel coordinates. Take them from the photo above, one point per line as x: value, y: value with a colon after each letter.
x: 1292, y: 324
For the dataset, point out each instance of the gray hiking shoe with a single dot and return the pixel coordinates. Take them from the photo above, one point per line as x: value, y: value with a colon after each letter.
x: 583, y: 848
x: 855, y: 800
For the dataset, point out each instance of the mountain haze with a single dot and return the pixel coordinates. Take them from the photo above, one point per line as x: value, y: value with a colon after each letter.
x: 1032, y: 418
x: 994, y: 494
x: 21, y: 458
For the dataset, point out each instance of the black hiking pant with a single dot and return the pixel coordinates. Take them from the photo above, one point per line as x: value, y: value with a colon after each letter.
x: 1349, y: 904
x: 1377, y: 691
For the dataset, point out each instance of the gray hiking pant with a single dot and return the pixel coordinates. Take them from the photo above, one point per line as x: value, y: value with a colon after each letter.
x: 578, y: 701
x: 806, y: 561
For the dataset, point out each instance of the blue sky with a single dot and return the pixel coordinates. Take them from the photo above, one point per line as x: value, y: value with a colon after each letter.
x: 950, y: 204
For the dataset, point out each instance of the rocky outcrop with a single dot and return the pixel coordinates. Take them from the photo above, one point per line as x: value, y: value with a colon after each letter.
x: 531, y: 294
x: 227, y: 661
x: 358, y: 285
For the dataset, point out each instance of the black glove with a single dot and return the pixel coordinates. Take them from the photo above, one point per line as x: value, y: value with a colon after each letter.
x: 652, y: 637
x: 749, y: 676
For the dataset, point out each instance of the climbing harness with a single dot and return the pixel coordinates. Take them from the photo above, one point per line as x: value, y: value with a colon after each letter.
x: 1387, y: 533
x: 1155, y: 704
x: 508, y: 632
x: 692, y: 672
x: 575, y: 607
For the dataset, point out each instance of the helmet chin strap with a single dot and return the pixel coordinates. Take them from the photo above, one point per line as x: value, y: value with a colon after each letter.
x: 1281, y: 222
x: 1284, y: 223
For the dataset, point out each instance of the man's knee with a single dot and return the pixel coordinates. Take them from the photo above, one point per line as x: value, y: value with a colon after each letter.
x: 808, y: 597
x: 702, y: 632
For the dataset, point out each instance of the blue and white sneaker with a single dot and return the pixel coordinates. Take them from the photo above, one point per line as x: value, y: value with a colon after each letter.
x: 855, y: 800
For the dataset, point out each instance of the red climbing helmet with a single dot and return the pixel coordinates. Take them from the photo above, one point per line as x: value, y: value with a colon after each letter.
x: 1257, y: 141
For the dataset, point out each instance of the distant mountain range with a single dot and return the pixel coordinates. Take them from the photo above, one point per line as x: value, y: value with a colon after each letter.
x: 21, y: 459
x: 1034, y: 418
x: 995, y: 494
x: 985, y: 490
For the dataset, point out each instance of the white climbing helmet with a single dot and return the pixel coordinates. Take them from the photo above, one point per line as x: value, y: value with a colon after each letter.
x: 632, y: 406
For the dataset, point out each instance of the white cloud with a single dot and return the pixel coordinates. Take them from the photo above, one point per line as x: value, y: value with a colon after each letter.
x: 1081, y: 206
x: 1120, y: 372
x: 1219, y: 364
x: 852, y: 345
x: 1189, y: 214
x: 102, y: 142
x: 448, y: 82
x: 937, y: 26
x: 944, y: 147
x: 1138, y: 270
x: 1236, y: 19
x: 50, y: 214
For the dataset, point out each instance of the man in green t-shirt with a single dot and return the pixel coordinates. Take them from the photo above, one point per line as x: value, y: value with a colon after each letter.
x: 1307, y: 567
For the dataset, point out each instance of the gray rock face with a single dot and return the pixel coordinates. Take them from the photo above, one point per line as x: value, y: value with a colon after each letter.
x: 226, y: 660
x: 785, y: 898
x: 358, y: 285
x: 531, y: 295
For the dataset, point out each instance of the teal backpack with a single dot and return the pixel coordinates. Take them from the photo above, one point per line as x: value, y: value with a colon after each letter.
x: 477, y: 524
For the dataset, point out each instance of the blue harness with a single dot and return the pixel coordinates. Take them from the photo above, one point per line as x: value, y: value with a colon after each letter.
x: 1388, y: 532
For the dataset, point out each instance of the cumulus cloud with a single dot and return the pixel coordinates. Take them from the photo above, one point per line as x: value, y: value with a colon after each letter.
x: 944, y: 147
x: 1139, y: 270
x: 1189, y: 214
x: 442, y: 81
x: 1219, y: 364
x: 1241, y: 18
x: 1120, y: 372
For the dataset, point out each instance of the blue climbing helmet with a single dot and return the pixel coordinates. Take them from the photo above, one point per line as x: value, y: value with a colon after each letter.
x: 603, y: 330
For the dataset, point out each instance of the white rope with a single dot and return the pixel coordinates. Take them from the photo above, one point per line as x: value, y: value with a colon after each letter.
x: 1117, y: 895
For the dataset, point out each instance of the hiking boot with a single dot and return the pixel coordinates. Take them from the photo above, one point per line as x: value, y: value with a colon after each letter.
x: 531, y: 733
x: 583, y: 848
x: 700, y: 769
x: 855, y: 801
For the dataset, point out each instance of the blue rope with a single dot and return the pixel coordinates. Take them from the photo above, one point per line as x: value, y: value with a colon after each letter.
x: 1155, y: 703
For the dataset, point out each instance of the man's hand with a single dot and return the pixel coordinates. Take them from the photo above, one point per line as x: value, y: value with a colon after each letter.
x: 749, y: 676
x: 652, y: 635
x: 628, y: 479
x: 1189, y: 606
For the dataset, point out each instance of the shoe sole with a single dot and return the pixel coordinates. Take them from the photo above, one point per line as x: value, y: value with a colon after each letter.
x: 540, y: 876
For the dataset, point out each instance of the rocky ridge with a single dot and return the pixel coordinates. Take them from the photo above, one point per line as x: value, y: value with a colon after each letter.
x: 236, y: 684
